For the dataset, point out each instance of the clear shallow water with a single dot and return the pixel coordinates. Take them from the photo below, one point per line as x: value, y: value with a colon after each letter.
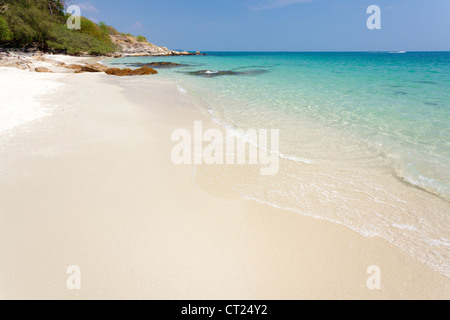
x: 362, y: 136
x: 397, y: 105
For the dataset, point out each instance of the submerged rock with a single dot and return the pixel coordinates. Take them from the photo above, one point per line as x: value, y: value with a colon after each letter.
x: 161, y: 65
x: 426, y: 82
x: 209, y: 73
x: 212, y: 74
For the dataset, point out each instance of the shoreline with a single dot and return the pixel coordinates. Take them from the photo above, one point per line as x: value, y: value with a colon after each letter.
x: 369, y: 199
x: 103, y: 194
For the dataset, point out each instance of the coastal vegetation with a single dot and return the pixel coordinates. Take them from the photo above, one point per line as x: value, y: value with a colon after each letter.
x: 141, y: 39
x: 41, y: 25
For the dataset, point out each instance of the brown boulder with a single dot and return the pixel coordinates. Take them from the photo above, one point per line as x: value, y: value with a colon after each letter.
x: 89, y: 68
x: 143, y: 71
x: 118, y: 72
x: 95, y: 67
x: 74, y: 66
x: 128, y: 72
x: 42, y: 69
x: 164, y: 65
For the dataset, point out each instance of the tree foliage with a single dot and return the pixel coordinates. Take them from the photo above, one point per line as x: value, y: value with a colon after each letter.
x: 141, y: 39
x: 42, y: 24
x: 5, y: 33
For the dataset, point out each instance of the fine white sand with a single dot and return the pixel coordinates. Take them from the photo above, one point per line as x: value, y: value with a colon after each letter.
x: 93, y: 185
x: 19, y: 96
x: 21, y: 91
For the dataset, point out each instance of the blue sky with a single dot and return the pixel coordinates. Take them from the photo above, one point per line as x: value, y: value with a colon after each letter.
x: 279, y: 25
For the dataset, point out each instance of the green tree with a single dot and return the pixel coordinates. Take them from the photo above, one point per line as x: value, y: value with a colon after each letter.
x: 5, y: 33
x: 56, y: 7
x: 42, y: 24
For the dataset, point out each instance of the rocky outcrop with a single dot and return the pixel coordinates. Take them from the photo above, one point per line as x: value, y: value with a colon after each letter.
x: 13, y: 60
x: 31, y: 62
x: 76, y: 67
x: 95, y: 67
x: 98, y: 66
x: 128, y: 72
x: 42, y: 69
x: 39, y: 63
x: 130, y: 46
x: 50, y: 61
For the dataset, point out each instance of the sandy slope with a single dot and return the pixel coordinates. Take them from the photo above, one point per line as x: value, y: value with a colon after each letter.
x: 93, y: 185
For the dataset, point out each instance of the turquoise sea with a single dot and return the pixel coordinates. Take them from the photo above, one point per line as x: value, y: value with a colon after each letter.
x: 356, y: 123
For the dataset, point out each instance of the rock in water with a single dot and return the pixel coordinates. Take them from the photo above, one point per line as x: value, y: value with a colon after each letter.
x: 162, y: 65
x: 143, y: 71
x: 128, y: 72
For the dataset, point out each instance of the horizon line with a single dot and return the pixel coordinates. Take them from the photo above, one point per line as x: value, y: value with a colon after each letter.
x: 327, y: 51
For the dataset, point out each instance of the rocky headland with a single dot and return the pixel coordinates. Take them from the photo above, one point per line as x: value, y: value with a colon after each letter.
x: 132, y: 46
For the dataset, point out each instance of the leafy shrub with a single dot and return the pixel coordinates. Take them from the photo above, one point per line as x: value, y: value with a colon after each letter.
x: 5, y: 33
x: 72, y: 42
x: 28, y: 21
x: 141, y: 39
x: 103, y: 27
x: 108, y: 30
x: 92, y: 29
x: 112, y: 31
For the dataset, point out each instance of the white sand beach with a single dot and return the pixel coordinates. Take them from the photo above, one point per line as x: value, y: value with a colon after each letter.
x: 86, y: 179
x: 19, y: 108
